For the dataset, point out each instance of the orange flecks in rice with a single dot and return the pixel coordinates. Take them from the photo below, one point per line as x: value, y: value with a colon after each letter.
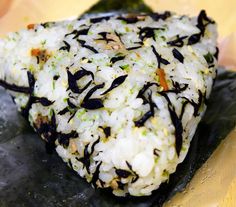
x: 30, y: 26
x: 42, y: 55
x: 162, y: 78
x: 35, y: 52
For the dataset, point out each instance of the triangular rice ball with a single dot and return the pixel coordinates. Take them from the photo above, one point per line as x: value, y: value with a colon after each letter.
x: 119, y: 96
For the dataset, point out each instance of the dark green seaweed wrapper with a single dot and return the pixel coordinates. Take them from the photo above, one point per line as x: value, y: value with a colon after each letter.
x: 31, y: 177
x: 119, y: 5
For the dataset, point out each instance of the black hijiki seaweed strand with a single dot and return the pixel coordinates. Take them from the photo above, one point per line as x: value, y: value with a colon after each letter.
x: 70, y: 104
x: 47, y: 130
x: 77, y: 33
x: 162, y: 16
x: 148, y: 100
x: 203, y: 21
x: 106, y: 130
x: 178, y: 55
x: 209, y: 59
x: 148, y: 32
x: 133, y: 48
x: 135, y: 175
x: 63, y: 139
x: 176, y: 122
x: 82, y: 44
x: 178, y: 42
x: 123, y: 173
x: 73, y: 78
x: 92, y: 90
x: 104, y: 37
x: 117, y: 82
x: 99, y: 19
x: 177, y: 88
x: 95, y: 176
x: 15, y: 88
x: 31, y: 82
x: 196, y: 106
x: 55, y: 77
x: 93, y: 146
x: 119, y: 36
x: 63, y: 111
x: 193, y: 39
x: 116, y: 58
x: 47, y: 24
x: 148, y: 114
x: 20, y: 89
x: 160, y: 60
x: 49, y: 133
x: 42, y: 100
x: 144, y: 89
x: 156, y: 152
x: 93, y: 103
x: 66, y: 47
x: 216, y: 53
x: 86, y: 158
x: 71, y: 117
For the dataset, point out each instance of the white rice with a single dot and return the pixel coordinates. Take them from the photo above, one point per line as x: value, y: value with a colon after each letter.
x: 133, y: 159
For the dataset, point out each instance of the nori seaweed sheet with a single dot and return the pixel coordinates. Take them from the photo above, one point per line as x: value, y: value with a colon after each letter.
x: 31, y: 177
x: 132, y: 6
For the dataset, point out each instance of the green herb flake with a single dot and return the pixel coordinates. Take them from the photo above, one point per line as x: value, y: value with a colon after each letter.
x: 119, y: 54
x: 95, y: 117
x: 51, y: 112
x: 127, y: 29
x: 163, y: 38
x: 125, y: 67
x: 123, y: 22
x: 156, y: 159
x: 81, y: 113
x: 183, y: 148
x: 144, y: 133
x: 43, y: 43
x: 70, y: 109
x: 53, y: 65
x: 46, y: 25
x: 131, y: 91
x: 53, y: 85
x: 31, y: 68
x: 165, y: 173
x: 209, y: 58
x: 70, y: 27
